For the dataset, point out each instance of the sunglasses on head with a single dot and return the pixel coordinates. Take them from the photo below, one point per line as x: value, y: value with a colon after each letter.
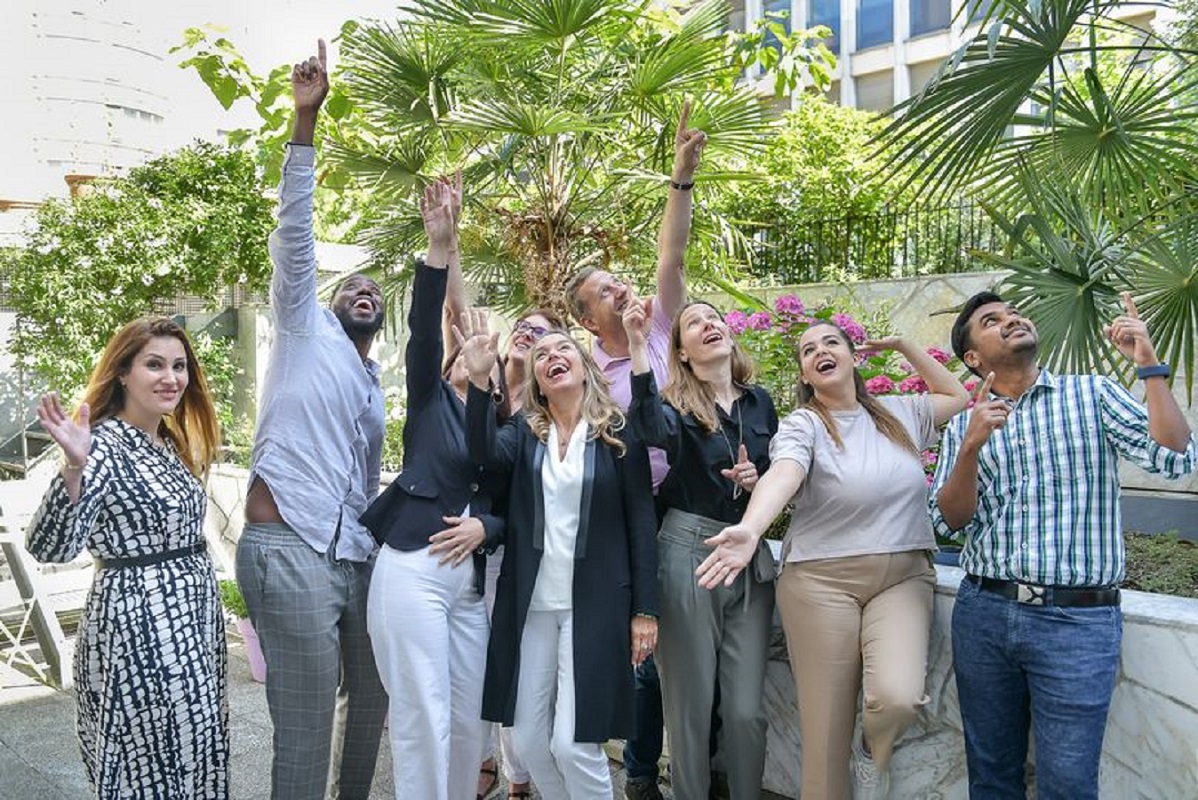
x: 535, y: 331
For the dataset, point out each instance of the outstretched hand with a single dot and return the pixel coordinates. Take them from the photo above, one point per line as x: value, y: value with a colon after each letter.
x: 454, y: 185
x: 688, y: 147
x: 735, y: 547
x: 310, y: 80
x: 1130, y: 336
x: 883, y: 343
x: 74, y: 437
x: 436, y: 209
x: 480, y: 349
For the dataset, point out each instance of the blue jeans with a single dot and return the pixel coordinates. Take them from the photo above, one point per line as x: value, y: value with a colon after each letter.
x: 1047, y: 667
x: 643, y: 750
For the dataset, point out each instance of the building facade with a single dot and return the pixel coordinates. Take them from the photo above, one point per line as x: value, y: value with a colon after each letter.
x: 887, y: 50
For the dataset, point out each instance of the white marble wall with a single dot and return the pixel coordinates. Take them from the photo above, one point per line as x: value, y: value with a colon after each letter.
x: 1151, y: 745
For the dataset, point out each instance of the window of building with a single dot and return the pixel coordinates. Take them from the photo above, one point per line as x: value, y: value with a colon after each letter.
x: 136, y: 113
x: 978, y: 9
x: 875, y: 23
x: 921, y: 73
x: 930, y: 15
x: 826, y: 12
x: 875, y: 91
x: 776, y: 11
x: 736, y: 16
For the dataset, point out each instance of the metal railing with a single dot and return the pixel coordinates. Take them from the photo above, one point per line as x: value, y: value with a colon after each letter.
x: 887, y: 244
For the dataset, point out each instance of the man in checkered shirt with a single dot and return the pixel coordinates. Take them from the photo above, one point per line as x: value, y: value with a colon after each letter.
x: 1029, y: 479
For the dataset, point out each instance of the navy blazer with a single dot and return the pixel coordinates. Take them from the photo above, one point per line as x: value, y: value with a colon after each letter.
x: 438, y: 477
x: 615, y: 568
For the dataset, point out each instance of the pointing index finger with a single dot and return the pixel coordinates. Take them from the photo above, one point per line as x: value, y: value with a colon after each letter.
x: 1129, y: 306
x: 322, y: 54
x: 984, y: 390
x: 684, y: 117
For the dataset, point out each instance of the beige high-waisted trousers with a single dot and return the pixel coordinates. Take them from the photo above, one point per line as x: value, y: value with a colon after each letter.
x: 854, y: 621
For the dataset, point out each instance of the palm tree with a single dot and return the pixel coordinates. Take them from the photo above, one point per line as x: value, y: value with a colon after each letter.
x: 1079, y: 133
x: 562, y: 113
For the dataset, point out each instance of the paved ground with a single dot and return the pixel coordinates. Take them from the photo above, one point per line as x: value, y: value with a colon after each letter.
x: 39, y: 758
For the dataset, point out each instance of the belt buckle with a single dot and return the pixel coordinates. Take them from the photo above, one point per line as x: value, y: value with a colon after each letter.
x: 1030, y: 595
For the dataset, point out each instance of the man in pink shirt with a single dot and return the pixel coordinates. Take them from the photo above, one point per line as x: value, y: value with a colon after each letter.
x: 598, y: 300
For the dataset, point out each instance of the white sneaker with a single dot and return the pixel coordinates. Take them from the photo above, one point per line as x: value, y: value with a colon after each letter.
x: 869, y: 783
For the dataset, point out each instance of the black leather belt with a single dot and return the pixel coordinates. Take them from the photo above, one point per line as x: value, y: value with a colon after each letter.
x: 1034, y: 595
x: 150, y: 559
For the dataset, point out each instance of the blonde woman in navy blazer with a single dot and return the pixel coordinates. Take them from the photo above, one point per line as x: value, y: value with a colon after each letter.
x: 572, y: 625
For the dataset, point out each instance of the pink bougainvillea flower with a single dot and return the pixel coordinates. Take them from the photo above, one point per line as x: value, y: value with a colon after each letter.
x: 930, y: 457
x: 879, y: 384
x: 940, y: 355
x: 759, y: 321
x: 850, y: 326
x: 736, y: 321
x: 913, y: 385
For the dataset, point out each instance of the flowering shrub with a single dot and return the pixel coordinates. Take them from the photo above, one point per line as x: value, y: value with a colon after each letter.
x: 771, y: 340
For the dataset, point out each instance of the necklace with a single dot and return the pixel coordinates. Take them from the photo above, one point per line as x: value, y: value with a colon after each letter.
x: 740, y: 439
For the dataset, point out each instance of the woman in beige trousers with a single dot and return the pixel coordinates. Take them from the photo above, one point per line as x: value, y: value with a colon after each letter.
x: 856, y: 586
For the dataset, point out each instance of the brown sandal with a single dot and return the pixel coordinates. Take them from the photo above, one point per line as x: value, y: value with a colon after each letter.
x: 493, y: 783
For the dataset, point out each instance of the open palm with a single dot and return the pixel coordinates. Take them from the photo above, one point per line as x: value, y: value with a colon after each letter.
x: 74, y: 437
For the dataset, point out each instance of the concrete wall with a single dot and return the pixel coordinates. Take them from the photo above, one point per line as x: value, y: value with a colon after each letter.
x: 1149, y: 750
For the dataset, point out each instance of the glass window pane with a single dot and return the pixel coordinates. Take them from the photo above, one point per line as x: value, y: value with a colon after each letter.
x: 929, y: 15
x: 875, y: 23
x: 826, y: 12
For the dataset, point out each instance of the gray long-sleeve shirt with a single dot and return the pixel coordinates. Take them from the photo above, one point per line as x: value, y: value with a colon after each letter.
x: 320, y: 423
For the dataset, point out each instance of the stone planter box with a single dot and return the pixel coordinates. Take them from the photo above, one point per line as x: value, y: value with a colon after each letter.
x: 1151, y: 744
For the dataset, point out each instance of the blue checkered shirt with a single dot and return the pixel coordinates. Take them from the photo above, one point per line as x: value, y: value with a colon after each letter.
x: 1048, y: 483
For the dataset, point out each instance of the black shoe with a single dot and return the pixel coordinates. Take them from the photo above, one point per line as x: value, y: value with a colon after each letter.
x: 645, y: 789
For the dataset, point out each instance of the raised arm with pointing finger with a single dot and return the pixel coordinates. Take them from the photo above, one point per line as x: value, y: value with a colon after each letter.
x: 316, y: 463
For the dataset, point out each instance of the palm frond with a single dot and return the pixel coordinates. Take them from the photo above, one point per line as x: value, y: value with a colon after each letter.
x: 521, y: 119
x: 945, y: 131
x: 1166, y: 293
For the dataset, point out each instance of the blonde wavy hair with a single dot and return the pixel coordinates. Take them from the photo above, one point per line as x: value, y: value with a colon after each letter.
x: 686, y: 391
x: 192, y: 427
x: 598, y: 409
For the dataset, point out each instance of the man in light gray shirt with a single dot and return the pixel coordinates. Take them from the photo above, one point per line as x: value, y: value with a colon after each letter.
x: 304, y: 560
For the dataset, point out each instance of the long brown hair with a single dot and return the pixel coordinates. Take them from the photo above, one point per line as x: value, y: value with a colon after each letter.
x: 192, y: 427
x: 686, y: 391
x: 598, y: 409
x: 886, y: 423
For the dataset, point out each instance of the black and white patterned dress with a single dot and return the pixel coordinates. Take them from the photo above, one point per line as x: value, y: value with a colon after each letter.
x: 150, y: 658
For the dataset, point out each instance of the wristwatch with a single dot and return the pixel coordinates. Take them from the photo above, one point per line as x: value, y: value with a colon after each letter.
x: 1155, y: 371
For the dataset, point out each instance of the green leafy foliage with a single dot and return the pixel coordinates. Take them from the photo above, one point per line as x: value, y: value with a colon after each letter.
x: 562, y: 116
x: 1080, y: 134
x: 820, y: 165
x: 1161, y: 563
x: 231, y: 599
x: 189, y: 223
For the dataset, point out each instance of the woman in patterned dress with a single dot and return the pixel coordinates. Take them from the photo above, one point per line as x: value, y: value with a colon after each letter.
x: 150, y: 657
